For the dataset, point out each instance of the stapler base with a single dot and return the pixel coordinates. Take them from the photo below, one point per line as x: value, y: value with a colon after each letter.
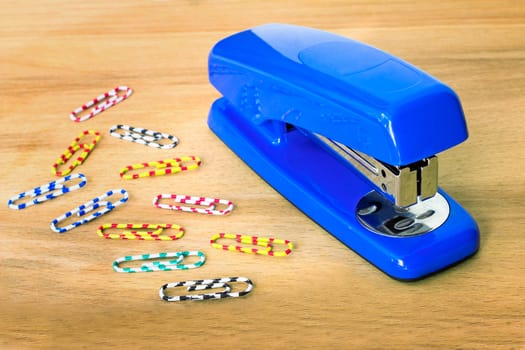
x: 329, y: 192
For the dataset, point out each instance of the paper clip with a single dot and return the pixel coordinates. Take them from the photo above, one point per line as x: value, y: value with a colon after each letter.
x: 162, y: 167
x: 143, y: 136
x: 87, y: 208
x: 169, y: 265
x: 84, y: 148
x: 46, y: 192
x: 205, y: 285
x: 209, y: 203
x: 253, y: 240
x: 101, y: 103
x: 130, y: 232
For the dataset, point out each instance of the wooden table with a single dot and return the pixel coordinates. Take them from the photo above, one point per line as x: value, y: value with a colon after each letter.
x: 60, y: 292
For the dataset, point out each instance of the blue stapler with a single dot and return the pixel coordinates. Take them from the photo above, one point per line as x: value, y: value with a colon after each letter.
x: 349, y: 134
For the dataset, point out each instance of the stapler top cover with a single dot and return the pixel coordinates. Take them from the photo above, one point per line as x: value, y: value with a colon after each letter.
x: 348, y: 91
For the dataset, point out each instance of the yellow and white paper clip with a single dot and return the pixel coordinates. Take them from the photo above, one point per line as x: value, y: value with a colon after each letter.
x: 142, y: 232
x: 76, y: 146
x: 266, y: 242
x: 161, y: 167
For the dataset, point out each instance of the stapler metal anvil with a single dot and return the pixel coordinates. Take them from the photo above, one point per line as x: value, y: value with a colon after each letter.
x: 349, y: 134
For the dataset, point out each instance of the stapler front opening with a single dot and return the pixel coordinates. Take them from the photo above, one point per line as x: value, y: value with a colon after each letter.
x: 349, y: 134
x: 405, y: 201
x: 406, y: 184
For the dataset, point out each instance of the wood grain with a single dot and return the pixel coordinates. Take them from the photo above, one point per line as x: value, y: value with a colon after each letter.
x: 59, y: 291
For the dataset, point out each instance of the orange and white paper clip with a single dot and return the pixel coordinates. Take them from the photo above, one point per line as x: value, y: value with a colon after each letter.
x: 268, y: 243
x: 203, y: 205
x: 161, y: 167
x: 101, y: 103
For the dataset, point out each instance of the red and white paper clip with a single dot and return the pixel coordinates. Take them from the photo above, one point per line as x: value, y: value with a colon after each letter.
x: 101, y: 103
x: 201, y: 205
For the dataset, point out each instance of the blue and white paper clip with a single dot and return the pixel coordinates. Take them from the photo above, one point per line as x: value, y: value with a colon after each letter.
x: 89, y: 207
x: 47, y: 192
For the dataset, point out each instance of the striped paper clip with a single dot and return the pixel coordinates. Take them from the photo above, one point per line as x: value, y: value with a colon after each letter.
x: 47, y: 192
x: 143, y: 232
x: 161, y: 264
x: 198, y: 285
x: 207, y: 205
x: 101, y: 103
x: 87, y: 208
x: 161, y: 167
x: 254, y: 241
x: 144, y: 136
x: 84, y: 149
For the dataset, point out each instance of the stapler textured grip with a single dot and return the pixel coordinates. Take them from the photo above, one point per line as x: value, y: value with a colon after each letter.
x: 349, y: 134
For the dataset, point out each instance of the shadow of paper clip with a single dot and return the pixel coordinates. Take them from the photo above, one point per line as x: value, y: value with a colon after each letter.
x: 47, y: 192
x: 268, y: 243
x: 143, y: 136
x: 207, y: 205
x: 161, y: 167
x: 161, y: 264
x: 101, y: 103
x: 197, y: 285
x: 87, y: 208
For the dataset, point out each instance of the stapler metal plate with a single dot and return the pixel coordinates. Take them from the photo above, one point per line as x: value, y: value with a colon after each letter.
x: 348, y: 134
